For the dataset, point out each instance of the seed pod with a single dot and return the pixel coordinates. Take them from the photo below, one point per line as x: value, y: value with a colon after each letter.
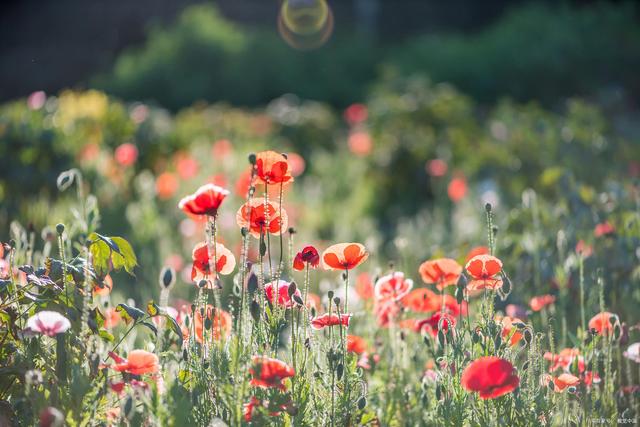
x: 292, y: 289
x: 252, y: 158
x: 202, y: 283
x: 167, y: 277
x: 263, y: 247
x: 252, y: 283
x: 59, y: 229
x: 528, y: 336
x: 336, y: 301
x: 207, y: 323
x: 292, y: 230
x: 185, y: 355
x: 460, y: 289
x: 344, y: 276
x: 297, y: 300
x: 330, y: 294
x: 244, y: 231
x: 362, y: 403
x: 255, y: 310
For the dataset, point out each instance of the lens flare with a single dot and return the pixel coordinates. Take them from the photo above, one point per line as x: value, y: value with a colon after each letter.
x: 305, y: 24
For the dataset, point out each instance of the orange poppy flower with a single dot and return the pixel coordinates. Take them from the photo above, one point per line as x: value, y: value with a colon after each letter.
x: 420, y: 300
x: 604, y: 322
x: 584, y: 249
x: 106, y: 289
x: 564, y: 381
x: 314, y: 301
x: 565, y: 359
x: 268, y: 372
x: 309, y: 255
x: 273, y: 168
x: 260, y: 218
x: 325, y: 320
x: 392, y: 286
x: 356, y: 344
x: 442, y: 272
x: 509, y: 329
x: 457, y: 188
x: 166, y: 185
x: 220, y: 324
x: 205, y: 201
x: 483, y: 269
x: 451, y: 305
x: 490, y: 377
x: 539, y: 302
x: 138, y: 362
x: 604, y: 229
x: 225, y: 261
x: 344, y: 256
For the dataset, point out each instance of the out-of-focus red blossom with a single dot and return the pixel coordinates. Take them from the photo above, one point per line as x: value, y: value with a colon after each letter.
x: 327, y: 319
x: 589, y: 378
x: 89, y: 152
x: 205, y: 201
x: 490, y: 377
x: 138, y: 362
x: 604, y: 229
x: 564, y: 359
x: 392, y: 286
x: 49, y: 323
x: 221, y: 322
x: 364, y: 286
x: 258, y: 218
x: 126, y: 154
x: 111, y: 318
x: 344, y: 256
x: 431, y: 324
x: 437, y: 167
x: 296, y: 163
x: 420, y: 300
x: 283, y: 293
x: 510, y: 329
x: 514, y: 310
x: 201, y: 269
x: 314, y: 301
x: 604, y: 322
x: 268, y: 372
x: 633, y: 352
x: 478, y: 250
x: 356, y: 344
x: 222, y: 148
x: 355, y: 114
x: 457, y: 189
x: 272, y: 168
x: 139, y: 113
x: 166, y: 185
x: 249, y: 408
x: 583, y: 249
x: 360, y: 143
x: 107, y: 287
x: 186, y: 166
x: 220, y: 180
x: 537, y: 303
x: 308, y: 255
x: 174, y: 261
x: 442, y: 272
x: 36, y: 100
x: 51, y: 417
x: 243, y: 183
x: 483, y: 270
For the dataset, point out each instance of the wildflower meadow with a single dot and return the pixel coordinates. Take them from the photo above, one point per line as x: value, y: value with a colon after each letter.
x: 415, y: 257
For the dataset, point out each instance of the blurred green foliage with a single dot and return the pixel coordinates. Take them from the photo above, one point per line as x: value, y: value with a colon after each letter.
x: 534, y: 52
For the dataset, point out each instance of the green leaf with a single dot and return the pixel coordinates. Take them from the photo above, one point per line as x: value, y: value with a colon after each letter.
x: 150, y: 326
x: 95, y: 237
x: 105, y: 335
x: 129, y: 313
x: 127, y: 258
x: 174, y: 327
x: 101, y: 255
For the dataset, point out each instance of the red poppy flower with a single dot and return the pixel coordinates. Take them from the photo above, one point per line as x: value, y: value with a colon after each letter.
x: 590, y: 377
x: 436, y: 167
x: 431, y: 324
x: 364, y: 286
x: 392, y: 286
x: 283, y: 293
x: 539, y: 302
x: 166, y: 185
x: 221, y: 149
x: 603, y: 229
x: 490, y: 376
x: 386, y: 311
x: 478, y: 250
x: 330, y: 320
x: 583, y: 249
x: 509, y: 329
x: 564, y: 359
x: 483, y: 269
x: 49, y: 323
x: 205, y: 201
x: 355, y: 114
x: 442, y: 272
x: 126, y: 154
x: 360, y: 143
x: 111, y: 318
x: 138, y: 362
x: 308, y: 255
x: 344, y: 256
x: 260, y: 218
x: 268, y: 372
x: 604, y: 322
x: 420, y: 300
x: 186, y: 166
x: 457, y: 188
x: 225, y: 261
x: 562, y: 382
x: 451, y: 305
x: 356, y: 344
x: 273, y: 168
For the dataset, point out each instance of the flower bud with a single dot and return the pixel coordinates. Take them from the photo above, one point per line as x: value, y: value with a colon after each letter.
x: 167, y: 277
x: 60, y: 228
